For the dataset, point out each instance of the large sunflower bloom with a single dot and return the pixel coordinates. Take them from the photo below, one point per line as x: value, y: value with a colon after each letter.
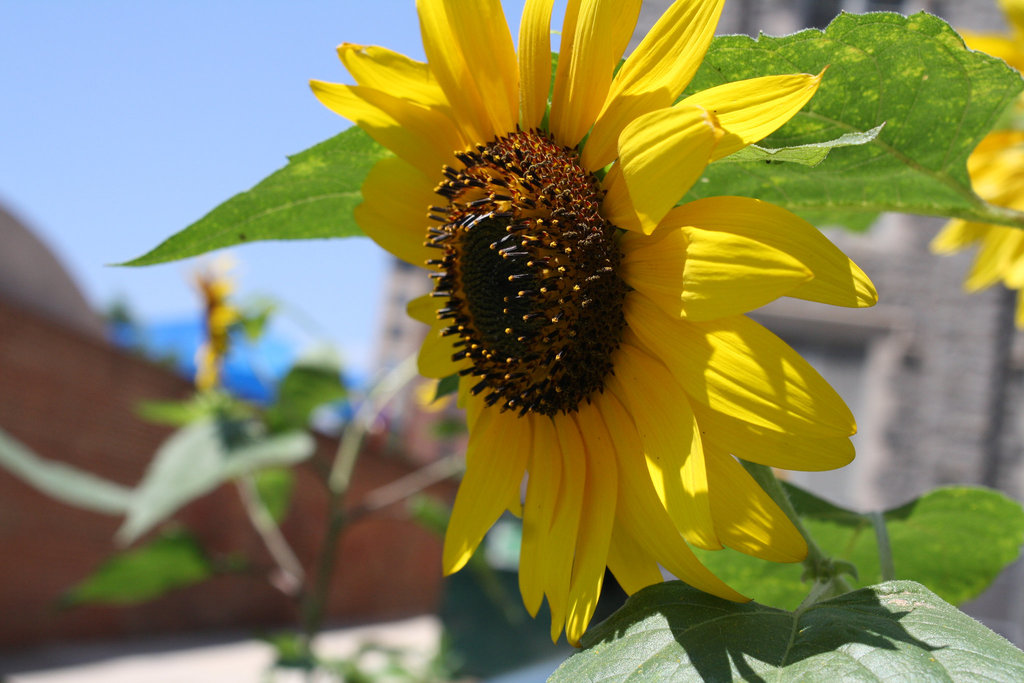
x: 597, y: 327
x: 996, y: 168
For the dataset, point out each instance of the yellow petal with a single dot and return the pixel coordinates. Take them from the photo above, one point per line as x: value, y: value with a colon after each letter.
x: 1018, y: 318
x: 837, y: 280
x: 473, y: 405
x: 424, y: 309
x: 787, y: 450
x: 997, y: 250
x: 470, y: 51
x: 1003, y: 47
x: 956, y: 235
x: 752, y: 109
x: 488, y: 49
x: 534, y: 62
x: 702, y: 274
x: 565, y: 524
x: 662, y: 154
x: 394, y: 209
x: 746, y: 518
x: 1014, y: 10
x: 641, y: 513
x: 737, y: 367
x: 594, y: 35
x: 632, y: 566
x: 654, y: 75
x: 1013, y: 276
x: 616, y: 207
x: 381, y: 69
x: 424, y: 137
x: 495, y: 463
x: 671, y: 441
x: 538, y: 512
x: 596, y: 520
x: 435, y: 355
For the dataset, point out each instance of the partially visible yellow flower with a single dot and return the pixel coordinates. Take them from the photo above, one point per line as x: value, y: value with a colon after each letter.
x: 996, y: 168
x: 219, y: 315
x: 597, y: 328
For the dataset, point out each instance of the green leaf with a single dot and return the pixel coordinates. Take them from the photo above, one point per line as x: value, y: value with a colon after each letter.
x: 275, y: 487
x: 255, y: 317
x: 61, y: 481
x: 197, y: 459
x: 429, y: 512
x: 176, y: 413
x: 312, y: 197
x: 313, y: 381
x: 936, y: 98
x: 896, y: 631
x: 291, y: 650
x: 810, y: 154
x: 955, y: 540
x: 172, y: 560
x: 447, y: 385
x: 205, y: 404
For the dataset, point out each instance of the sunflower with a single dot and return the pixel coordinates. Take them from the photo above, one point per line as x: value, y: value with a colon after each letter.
x: 596, y: 327
x: 996, y: 169
x: 218, y: 317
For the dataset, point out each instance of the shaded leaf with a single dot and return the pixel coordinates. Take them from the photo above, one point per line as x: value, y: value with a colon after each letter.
x: 197, y: 459
x: 955, y: 540
x: 895, y: 631
x: 275, y: 487
x: 312, y: 197
x: 936, y: 98
x: 63, y: 482
x: 172, y: 560
x: 313, y: 381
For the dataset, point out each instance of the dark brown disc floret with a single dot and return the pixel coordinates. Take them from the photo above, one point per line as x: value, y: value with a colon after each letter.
x: 530, y: 272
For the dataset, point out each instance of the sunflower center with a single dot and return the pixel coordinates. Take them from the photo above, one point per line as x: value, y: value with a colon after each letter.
x: 529, y: 269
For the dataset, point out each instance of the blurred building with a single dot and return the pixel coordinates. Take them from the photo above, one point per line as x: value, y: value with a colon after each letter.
x: 70, y: 396
x: 934, y: 376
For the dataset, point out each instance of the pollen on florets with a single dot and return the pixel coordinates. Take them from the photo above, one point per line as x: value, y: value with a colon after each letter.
x: 529, y: 269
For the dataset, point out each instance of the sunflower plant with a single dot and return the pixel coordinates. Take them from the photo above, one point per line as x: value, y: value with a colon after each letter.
x: 596, y: 228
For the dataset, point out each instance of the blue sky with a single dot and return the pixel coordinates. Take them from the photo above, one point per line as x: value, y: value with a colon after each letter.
x: 124, y: 121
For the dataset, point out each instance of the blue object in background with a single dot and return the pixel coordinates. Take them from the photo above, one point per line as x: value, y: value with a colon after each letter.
x: 251, y: 369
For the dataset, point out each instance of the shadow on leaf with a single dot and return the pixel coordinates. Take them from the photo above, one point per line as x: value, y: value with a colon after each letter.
x: 674, y: 632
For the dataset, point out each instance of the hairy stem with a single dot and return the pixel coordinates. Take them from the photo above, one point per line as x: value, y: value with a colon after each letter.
x: 825, y: 572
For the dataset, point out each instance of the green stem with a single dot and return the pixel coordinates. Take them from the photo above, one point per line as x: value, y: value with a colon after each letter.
x: 984, y: 212
x: 290, y: 576
x: 350, y: 443
x: 355, y: 431
x: 818, y: 565
x: 884, y: 547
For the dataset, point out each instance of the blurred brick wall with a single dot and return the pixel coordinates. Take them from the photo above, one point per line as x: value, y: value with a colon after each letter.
x: 71, y: 398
